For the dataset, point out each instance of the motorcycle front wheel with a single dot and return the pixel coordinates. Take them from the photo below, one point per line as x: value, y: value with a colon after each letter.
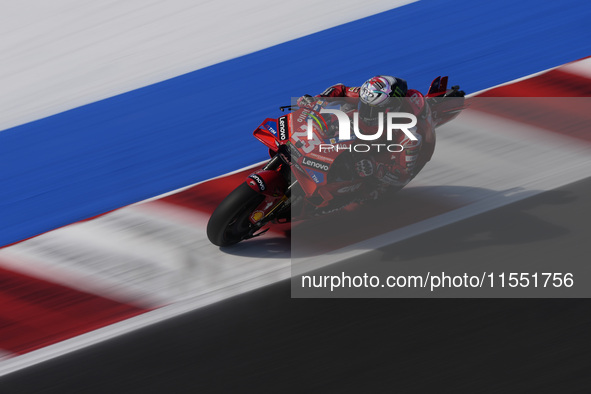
x: 229, y: 223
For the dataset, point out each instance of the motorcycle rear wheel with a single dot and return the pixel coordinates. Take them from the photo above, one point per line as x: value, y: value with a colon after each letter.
x: 230, y: 223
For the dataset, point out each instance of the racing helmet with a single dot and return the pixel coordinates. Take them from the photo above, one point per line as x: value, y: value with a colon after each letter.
x: 380, y: 94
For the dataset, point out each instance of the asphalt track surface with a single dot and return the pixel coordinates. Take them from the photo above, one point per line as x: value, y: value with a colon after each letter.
x: 265, y: 341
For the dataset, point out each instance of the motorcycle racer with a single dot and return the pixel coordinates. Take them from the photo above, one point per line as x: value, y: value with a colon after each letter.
x: 382, y: 94
x: 317, y: 166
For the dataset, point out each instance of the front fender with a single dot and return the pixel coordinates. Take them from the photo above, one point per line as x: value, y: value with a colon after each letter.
x: 268, y: 182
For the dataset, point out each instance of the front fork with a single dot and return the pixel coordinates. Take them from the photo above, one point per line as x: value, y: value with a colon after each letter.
x: 273, y: 180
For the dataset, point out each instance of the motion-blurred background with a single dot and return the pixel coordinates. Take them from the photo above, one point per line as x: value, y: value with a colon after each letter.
x: 106, y: 104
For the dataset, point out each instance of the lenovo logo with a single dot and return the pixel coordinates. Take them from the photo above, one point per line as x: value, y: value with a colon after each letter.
x: 315, y: 164
x: 259, y: 181
x: 283, y: 135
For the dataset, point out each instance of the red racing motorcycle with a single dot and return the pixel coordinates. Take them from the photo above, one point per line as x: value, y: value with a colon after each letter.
x: 303, y: 180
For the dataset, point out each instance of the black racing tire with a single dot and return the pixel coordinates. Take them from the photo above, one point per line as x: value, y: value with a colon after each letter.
x: 230, y: 222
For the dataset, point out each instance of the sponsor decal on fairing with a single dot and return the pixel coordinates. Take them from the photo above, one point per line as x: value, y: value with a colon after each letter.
x: 315, y: 164
x: 316, y: 176
x: 283, y: 128
x: 258, y: 181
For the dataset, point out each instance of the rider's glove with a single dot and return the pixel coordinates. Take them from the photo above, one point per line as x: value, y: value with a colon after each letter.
x: 306, y: 101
